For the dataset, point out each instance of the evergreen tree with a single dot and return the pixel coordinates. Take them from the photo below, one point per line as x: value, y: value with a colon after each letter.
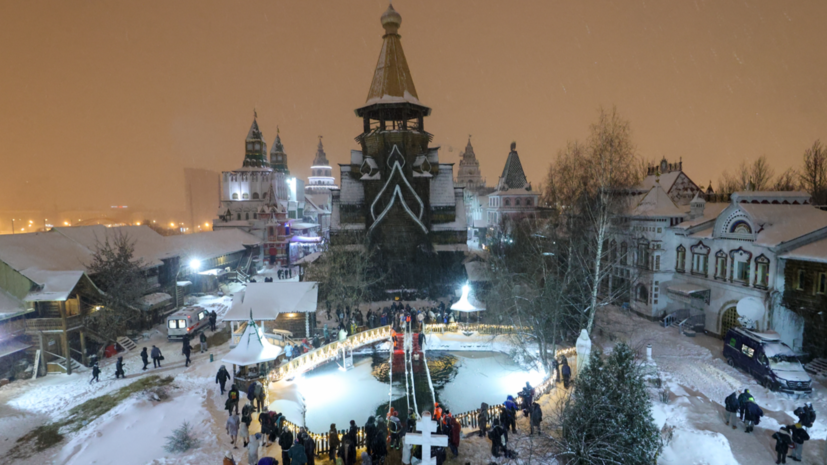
x: 182, y: 439
x: 608, y: 420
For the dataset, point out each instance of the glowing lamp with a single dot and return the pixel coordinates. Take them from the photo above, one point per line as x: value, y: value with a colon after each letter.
x: 195, y: 264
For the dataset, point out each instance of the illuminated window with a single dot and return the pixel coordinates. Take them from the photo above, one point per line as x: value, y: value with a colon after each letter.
x: 235, y: 196
x: 246, y: 196
x: 741, y: 272
x: 747, y: 350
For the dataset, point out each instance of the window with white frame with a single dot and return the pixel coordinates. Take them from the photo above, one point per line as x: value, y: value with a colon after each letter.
x: 762, y: 271
x: 721, y: 264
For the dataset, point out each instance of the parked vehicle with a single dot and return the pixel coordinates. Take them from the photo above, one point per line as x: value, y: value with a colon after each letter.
x: 187, y: 321
x: 774, y: 364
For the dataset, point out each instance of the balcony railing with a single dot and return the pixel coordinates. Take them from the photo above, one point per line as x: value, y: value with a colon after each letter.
x: 53, y: 324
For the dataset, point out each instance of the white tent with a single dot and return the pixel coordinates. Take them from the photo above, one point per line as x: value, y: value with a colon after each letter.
x: 267, y: 300
x: 252, y: 348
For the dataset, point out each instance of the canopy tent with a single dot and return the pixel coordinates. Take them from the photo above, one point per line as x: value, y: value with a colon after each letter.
x: 265, y: 301
x: 252, y: 348
x: 467, y: 303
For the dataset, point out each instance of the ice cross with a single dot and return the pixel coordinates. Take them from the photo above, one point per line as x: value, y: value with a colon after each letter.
x: 426, y: 439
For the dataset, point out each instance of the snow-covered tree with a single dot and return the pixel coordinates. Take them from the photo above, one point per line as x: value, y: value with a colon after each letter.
x: 182, y: 439
x: 608, y: 419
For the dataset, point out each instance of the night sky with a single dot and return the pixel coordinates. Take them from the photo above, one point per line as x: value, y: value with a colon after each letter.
x: 105, y: 103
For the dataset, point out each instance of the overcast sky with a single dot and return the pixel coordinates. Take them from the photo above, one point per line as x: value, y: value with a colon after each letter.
x: 105, y: 103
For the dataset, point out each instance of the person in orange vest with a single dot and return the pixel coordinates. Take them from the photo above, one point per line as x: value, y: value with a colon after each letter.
x: 393, y: 338
x: 437, y: 412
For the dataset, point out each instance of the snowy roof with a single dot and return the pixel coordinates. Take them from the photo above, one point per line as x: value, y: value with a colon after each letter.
x: 353, y: 192
x: 777, y: 224
x: 460, y: 223
x: 773, y: 349
x: 308, y: 259
x: 150, y: 300
x: 711, y: 212
x: 666, y: 181
x: 789, y: 197
x: 254, y: 133
x: 210, y: 244
x: 13, y: 346
x: 442, y: 187
x: 150, y: 246
x: 268, y: 300
x: 10, y: 305
x: 42, y: 251
x: 320, y: 200
x: 812, y: 252
x: 513, y: 175
x: 451, y: 247
x: 54, y: 285
x: 656, y: 203
x: 252, y: 348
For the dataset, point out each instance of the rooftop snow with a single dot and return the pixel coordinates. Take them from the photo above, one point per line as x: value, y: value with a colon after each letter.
x: 656, y: 203
x: 781, y: 223
x: 55, y: 285
x: 267, y: 300
x: 813, y: 252
x: 442, y: 187
x: 210, y: 244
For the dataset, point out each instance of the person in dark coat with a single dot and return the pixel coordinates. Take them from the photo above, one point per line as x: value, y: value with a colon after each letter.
x: 213, y: 318
x: 119, y: 373
x: 186, y: 350
x: 370, y: 433
x: 286, y: 442
x: 353, y: 433
x: 251, y: 395
x: 265, y: 422
x: 536, y: 417
x: 333, y: 442
x: 555, y: 366
x: 145, y: 358
x: 156, y: 357
x: 752, y: 416
x: 380, y: 447
x: 347, y: 451
x: 202, y: 338
x: 421, y: 339
x: 799, y: 435
x: 782, y: 444
x: 221, y: 377
x: 453, y: 436
x: 510, y: 414
x: 297, y: 454
x: 731, y: 405
x: 268, y: 461
x: 232, y: 400
x: 496, y: 436
x: 742, y: 402
x: 566, y: 371
x: 96, y: 371
x: 309, y: 449
x: 482, y: 419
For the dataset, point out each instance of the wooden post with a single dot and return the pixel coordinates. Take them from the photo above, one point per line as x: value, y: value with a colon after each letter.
x: 83, y: 348
x: 65, y: 339
x: 42, y: 352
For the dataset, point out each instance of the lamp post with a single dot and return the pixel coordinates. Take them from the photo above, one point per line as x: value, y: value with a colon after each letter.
x: 194, y: 265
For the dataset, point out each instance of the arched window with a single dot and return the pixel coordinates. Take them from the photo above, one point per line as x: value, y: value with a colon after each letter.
x: 527, y: 202
x: 700, y: 259
x: 246, y: 216
x: 642, y: 293
x: 740, y: 227
x: 740, y: 265
x: 246, y: 196
x: 255, y: 195
x: 507, y: 203
x: 762, y: 271
x: 517, y: 202
x: 680, y: 262
x: 235, y: 196
x: 643, y: 254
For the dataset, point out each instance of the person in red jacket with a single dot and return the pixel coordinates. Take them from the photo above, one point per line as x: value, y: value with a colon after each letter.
x: 453, y: 438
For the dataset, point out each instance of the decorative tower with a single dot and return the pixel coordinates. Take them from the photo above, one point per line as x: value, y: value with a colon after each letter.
x: 322, y: 173
x: 278, y: 159
x: 395, y: 193
x: 469, y: 175
x: 255, y: 149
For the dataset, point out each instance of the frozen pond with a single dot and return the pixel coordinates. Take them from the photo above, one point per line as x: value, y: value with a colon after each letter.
x: 462, y: 380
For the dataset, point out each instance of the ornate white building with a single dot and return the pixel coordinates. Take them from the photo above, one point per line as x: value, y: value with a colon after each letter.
x: 321, y: 178
x: 513, y: 198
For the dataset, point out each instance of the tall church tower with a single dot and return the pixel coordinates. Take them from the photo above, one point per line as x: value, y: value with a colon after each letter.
x: 468, y: 175
x: 396, y: 197
x: 321, y: 178
x: 278, y: 159
x: 255, y: 149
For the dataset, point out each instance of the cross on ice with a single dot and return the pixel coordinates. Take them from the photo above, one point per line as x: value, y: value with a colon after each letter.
x: 426, y: 439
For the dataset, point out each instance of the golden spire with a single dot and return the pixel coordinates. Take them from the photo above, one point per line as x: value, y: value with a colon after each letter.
x: 392, y: 81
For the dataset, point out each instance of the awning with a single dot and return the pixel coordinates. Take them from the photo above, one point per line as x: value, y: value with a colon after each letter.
x: 11, y: 347
x: 252, y: 348
x: 308, y: 259
x: 298, y: 225
x: 687, y: 290
x: 750, y: 308
x: 306, y: 239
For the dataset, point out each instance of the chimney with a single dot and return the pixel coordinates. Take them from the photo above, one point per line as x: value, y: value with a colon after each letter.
x: 696, y: 207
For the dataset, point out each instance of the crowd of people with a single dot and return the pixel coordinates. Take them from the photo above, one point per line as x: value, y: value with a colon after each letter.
x: 789, y: 439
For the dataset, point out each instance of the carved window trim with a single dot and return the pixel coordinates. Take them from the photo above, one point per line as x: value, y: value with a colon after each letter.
x: 762, y: 261
x: 680, y: 259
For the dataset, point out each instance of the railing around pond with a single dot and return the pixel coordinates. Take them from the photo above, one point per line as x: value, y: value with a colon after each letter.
x: 475, y: 327
x: 316, y: 357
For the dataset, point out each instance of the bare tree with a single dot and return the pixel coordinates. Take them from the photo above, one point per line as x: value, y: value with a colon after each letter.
x: 346, y: 275
x: 588, y: 183
x: 755, y: 176
x: 121, y: 278
x: 813, y: 175
x: 786, y: 181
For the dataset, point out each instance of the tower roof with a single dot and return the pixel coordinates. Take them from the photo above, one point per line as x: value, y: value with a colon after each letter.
x: 278, y: 158
x: 254, y: 134
x: 513, y: 175
x: 321, y: 157
x: 469, y: 150
x: 392, y: 82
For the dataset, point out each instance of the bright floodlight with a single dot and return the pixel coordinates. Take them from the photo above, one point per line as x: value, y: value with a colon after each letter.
x: 195, y: 264
x: 463, y: 304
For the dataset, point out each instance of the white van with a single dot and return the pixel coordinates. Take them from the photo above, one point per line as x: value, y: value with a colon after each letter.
x: 187, y: 321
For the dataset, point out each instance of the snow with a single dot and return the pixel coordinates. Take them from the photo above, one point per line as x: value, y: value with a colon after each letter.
x: 442, y: 187
x: 55, y: 285
x: 697, y: 447
x: 267, y: 300
x: 209, y: 244
x: 656, y: 203
x: 813, y: 252
x: 252, y: 348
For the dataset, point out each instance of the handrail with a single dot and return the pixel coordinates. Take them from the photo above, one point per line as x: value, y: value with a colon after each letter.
x: 316, y: 357
x: 478, y: 327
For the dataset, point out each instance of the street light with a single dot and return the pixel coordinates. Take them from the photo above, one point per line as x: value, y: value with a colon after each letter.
x: 194, y: 265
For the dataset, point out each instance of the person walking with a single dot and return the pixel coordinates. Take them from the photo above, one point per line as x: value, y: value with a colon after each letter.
x: 232, y: 399
x: 285, y: 442
x: 309, y: 449
x: 333, y: 442
x: 221, y: 377
x: 297, y: 454
x: 453, y: 436
x: 96, y: 371
x: 510, y: 414
x: 783, y: 441
x: 799, y: 435
x: 752, y: 416
x: 144, y: 358
x: 395, y: 428
x: 252, y: 448
x: 482, y: 419
x: 232, y: 428
x: 251, y: 395
x: 555, y: 367
x: 535, y: 418
x: 742, y: 403
x: 203, y: 339
x: 731, y: 406
x: 157, y: 356
x: 288, y: 352
x: 119, y: 373
x: 186, y: 350
x: 244, y: 431
x: 566, y: 371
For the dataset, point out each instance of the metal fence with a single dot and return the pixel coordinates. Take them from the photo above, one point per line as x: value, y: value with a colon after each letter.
x: 475, y: 327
